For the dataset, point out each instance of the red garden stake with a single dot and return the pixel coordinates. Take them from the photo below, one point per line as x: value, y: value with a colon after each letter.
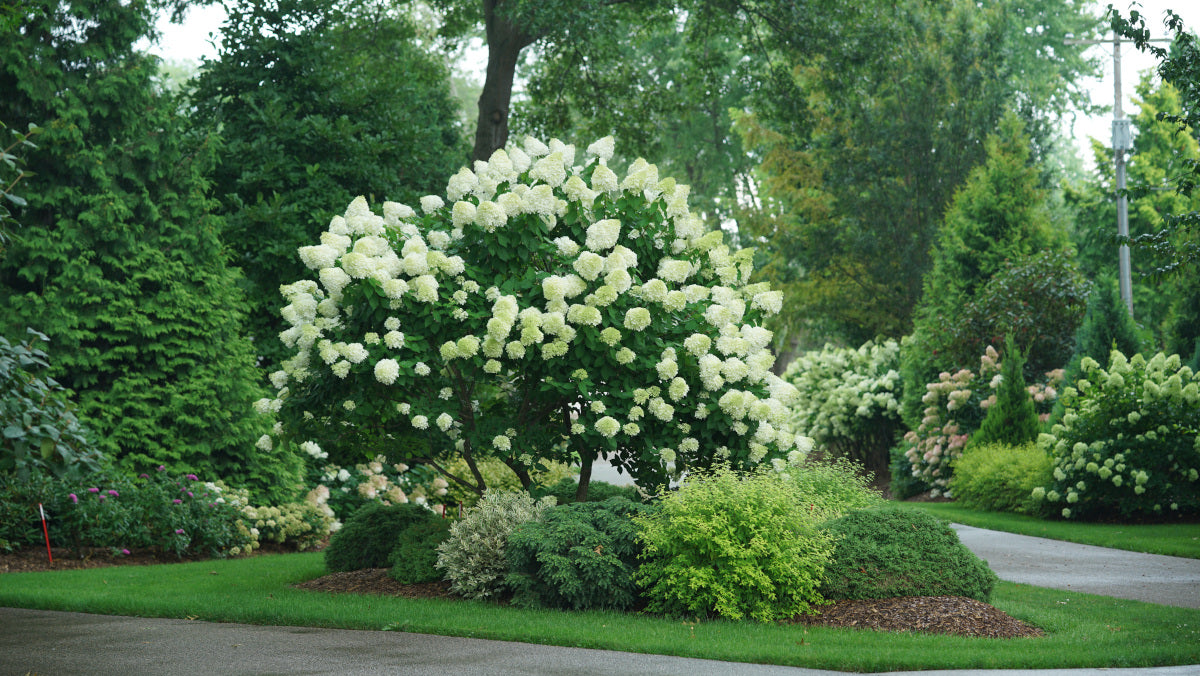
x: 46, y: 532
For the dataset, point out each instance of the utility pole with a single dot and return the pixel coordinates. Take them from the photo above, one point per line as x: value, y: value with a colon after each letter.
x: 1122, y: 142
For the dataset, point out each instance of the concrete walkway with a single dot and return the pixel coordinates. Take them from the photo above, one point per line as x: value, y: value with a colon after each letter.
x: 46, y: 642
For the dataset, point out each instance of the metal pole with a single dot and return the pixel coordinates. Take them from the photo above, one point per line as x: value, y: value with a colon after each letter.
x: 1121, y: 142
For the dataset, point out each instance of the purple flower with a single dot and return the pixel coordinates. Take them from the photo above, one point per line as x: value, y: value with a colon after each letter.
x: 93, y: 490
x: 113, y: 493
x: 101, y: 498
x: 74, y: 498
x: 125, y: 552
x: 162, y: 468
x: 177, y: 501
x: 193, y: 477
x: 143, y: 476
x: 179, y: 531
x: 190, y: 494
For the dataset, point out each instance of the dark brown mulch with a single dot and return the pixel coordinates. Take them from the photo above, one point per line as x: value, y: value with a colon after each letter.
x: 926, y: 614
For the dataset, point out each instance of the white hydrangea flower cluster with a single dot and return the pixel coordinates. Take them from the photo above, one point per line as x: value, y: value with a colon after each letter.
x: 849, y: 398
x: 655, y: 304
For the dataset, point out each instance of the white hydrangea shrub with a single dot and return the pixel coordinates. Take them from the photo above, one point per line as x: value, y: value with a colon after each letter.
x: 545, y: 309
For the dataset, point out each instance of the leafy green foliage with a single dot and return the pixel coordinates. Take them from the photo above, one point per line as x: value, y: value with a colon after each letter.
x: 40, y: 430
x: 849, y: 400
x: 733, y: 545
x: 863, y: 147
x: 20, y: 522
x: 473, y: 558
x: 892, y: 551
x: 369, y: 536
x: 1039, y: 300
x: 1000, y: 477
x: 1011, y: 418
x: 352, y: 106
x: 414, y: 558
x: 580, y: 556
x: 120, y: 260
x: 11, y: 173
x: 1129, y: 442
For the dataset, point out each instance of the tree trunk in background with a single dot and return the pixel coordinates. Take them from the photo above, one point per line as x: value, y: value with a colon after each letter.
x: 505, y: 42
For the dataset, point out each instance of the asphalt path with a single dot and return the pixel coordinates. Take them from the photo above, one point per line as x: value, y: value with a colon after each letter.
x: 52, y: 643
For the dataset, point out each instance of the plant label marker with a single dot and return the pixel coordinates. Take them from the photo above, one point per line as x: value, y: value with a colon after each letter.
x: 46, y: 532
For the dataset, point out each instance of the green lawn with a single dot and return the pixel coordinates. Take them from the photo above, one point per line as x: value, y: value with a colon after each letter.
x: 1174, y: 539
x: 1082, y: 630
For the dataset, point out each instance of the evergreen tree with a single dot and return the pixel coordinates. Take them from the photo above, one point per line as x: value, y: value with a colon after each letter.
x: 119, y: 259
x: 317, y: 102
x: 1011, y: 419
x: 999, y: 214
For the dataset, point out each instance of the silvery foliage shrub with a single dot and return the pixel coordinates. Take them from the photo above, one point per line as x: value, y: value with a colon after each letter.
x: 1129, y: 441
x: 733, y: 545
x: 473, y: 557
x: 849, y: 401
x: 546, y: 310
x: 955, y: 407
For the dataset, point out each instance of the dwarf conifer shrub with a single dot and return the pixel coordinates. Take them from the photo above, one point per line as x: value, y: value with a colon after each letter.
x: 368, y: 537
x: 1011, y: 417
x: 578, y: 556
x: 473, y: 557
x: 891, y: 551
x: 733, y: 545
x: 1001, y: 477
x: 414, y: 558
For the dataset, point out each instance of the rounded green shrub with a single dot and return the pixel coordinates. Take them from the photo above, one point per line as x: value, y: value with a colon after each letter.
x: 579, y: 556
x: 368, y: 537
x: 733, y: 545
x: 890, y: 551
x: 473, y: 557
x: 414, y: 558
x: 1129, y: 442
x: 1000, y: 478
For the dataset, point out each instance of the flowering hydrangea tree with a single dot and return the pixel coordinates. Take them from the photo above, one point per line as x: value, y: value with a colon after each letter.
x: 955, y: 407
x: 546, y: 309
x: 849, y: 400
x: 1129, y: 441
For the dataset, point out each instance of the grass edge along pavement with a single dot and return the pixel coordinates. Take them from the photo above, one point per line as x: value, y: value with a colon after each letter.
x: 1082, y: 630
x: 1169, y: 539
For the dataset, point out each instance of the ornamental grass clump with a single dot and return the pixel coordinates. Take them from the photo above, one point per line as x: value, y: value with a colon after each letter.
x: 542, y: 309
x: 1128, y: 445
x: 579, y: 556
x: 891, y: 551
x: 473, y: 558
x: 849, y: 401
x: 733, y: 545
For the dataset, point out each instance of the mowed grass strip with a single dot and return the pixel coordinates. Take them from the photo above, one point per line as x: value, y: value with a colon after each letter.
x: 1082, y: 630
x: 1170, y: 539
